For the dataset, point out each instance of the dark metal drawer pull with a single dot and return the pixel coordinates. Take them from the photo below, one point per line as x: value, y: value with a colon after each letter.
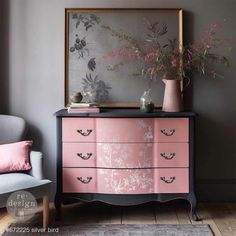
x: 84, y: 157
x: 170, y: 133
x: 89, y: 131
x: 168, y: 157
x: 85, y: 181
x: 168, y: 181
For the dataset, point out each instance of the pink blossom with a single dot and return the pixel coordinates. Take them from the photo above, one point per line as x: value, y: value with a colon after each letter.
x: 122, y: 53
x: 149, y: 57
x: 118, y: 52
x: 132, y: 55
x: 174, y: 62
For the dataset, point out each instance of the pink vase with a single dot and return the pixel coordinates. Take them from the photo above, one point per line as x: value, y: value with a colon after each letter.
x: 172, y: 101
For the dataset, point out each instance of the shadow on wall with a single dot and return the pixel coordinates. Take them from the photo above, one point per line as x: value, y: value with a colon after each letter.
x: 4, y: 58
x: 215, y: 139
x: 34, y: 134
x: 215, y: 158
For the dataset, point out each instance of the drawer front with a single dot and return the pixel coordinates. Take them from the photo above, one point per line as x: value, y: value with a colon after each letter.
x: 123, y: 155
x: 125, y: 130
x: 79, y: 180
x: 172, y: 180
x: 78, y: 130
x: 171, y: 155
x: 125, y: 181
x: 129, y: 181
x: 79, y: 154
x: 171, y: 130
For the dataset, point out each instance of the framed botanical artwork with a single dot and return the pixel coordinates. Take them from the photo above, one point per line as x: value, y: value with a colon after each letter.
x: 103, y: 48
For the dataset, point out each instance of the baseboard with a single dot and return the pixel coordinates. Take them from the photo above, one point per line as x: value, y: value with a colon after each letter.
x: 219, y: 190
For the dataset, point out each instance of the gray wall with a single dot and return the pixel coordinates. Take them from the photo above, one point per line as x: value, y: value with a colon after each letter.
x: 32, y: 81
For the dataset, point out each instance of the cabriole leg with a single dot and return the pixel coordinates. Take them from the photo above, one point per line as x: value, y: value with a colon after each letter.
x: 193, y: 202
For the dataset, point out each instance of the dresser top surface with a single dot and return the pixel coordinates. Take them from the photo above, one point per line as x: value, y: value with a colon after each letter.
x: 125, y: 113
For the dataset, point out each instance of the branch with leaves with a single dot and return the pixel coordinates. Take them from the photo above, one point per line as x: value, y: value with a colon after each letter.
x: 162, y: 58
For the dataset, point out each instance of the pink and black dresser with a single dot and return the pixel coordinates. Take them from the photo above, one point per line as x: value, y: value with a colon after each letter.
x: 125, y: 157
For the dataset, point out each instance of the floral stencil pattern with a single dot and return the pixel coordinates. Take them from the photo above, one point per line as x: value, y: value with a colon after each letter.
x: 79, y: 47
x: 87, y: 20
x: 94, y: 89
x: 125, y: 130
x: 121, y: 155
x: 129, y: 181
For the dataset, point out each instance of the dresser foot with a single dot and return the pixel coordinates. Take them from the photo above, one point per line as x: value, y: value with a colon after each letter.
x: 57, y: 203
x: 193, y: 202
x: 194, y: 216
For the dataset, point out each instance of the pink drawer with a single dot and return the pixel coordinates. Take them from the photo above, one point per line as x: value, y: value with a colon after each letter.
x: 127, y: 181
x: 171, y: 155
x: 78, y: 130
x: 125, y: 155
x: 172, y: 180
x: 79, y: 180
x: 171, y: 130
x: 125, y: 130
x: 79, y: 154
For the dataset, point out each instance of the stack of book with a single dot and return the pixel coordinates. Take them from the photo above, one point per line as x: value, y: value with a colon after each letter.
x: 83, y: 108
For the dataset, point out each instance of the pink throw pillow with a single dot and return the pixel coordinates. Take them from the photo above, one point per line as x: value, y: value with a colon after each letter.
x: 15, y: 156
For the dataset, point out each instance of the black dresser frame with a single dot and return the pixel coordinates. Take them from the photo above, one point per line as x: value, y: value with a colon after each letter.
x: 126, y: 199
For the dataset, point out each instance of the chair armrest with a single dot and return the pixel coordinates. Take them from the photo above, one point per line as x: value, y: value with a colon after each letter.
x: 36, y: 161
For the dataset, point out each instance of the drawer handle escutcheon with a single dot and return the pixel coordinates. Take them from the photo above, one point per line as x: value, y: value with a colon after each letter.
x: 168, y: 181
x: 168, y: 157
x: 84, y: 157
x: 85, y: 181
x: 166, y: 133
x: 89, y: 131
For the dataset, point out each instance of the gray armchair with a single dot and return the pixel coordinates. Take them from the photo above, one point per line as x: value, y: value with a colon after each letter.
x: 13, y: 129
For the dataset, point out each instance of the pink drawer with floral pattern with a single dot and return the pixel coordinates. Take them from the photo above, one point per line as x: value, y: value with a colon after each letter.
x: 78, y: 130
x: 142, y: 155
x: 172, y: 180
x: 115, y: 181
x: 171, y: 155
x: 125, y: 181
x: 125, y: 155
x: 79, y: 154
x: 127, y: 130
x: 82, y: 180
x: 171, y: 130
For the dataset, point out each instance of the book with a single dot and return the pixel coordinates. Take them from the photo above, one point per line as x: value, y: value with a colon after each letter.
x: 84, y: 110
x: 82, y: 104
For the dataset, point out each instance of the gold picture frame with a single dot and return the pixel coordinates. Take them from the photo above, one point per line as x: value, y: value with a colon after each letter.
x: 85, y: 24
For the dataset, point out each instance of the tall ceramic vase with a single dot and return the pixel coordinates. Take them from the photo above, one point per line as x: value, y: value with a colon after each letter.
x: 173, y: 101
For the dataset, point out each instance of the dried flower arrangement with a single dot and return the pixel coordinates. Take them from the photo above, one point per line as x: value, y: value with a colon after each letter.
x: 170, y: 60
